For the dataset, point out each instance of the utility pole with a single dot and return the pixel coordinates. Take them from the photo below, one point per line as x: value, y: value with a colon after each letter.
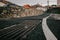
x: 48, y: 4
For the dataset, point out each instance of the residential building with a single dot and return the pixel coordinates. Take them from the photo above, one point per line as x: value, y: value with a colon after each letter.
x: 58, y: 2
x: 2, y: 4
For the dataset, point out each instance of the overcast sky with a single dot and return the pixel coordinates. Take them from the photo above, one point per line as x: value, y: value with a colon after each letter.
x: 32, y: 2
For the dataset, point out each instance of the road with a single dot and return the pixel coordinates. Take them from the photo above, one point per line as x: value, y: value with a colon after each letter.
x: 17, y: 31
x: 31, y: 28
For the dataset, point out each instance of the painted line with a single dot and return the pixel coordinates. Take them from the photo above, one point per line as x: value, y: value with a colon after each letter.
x: 48, y: 34
x: 8, y: 27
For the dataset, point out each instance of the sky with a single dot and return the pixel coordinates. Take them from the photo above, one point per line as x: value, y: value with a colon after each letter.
x: 32, y: 2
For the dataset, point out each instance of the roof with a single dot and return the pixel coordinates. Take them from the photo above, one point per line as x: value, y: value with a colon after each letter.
x: 2, y: 4
x: 26, y: 6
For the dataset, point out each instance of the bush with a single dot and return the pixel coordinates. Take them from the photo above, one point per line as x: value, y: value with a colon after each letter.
x: 54, y: 10
x: 1, y: 10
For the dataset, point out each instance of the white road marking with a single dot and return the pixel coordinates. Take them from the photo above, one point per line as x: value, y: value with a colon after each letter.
x: 8, y: 27
x: 26, y: 26
x: 48, y: 34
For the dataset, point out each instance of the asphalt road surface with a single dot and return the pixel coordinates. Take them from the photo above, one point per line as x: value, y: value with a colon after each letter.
x: 31, y: 28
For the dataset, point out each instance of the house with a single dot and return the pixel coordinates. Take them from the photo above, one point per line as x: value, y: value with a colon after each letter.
x: 39, y: 7
x: 2, y: 4
x: 27, y: 6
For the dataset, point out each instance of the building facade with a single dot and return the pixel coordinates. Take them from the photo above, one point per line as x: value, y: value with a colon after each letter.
x: 2, y: 0
x: 58, y: 2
